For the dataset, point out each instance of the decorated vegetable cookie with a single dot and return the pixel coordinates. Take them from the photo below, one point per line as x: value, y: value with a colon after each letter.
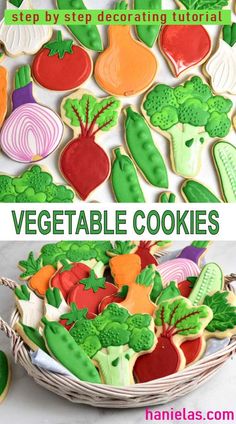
x: 195, y: 251
x: 146, y: 250
x: 143, y: 150
x: 193, y: 349
x: 221, y: 67
x: 87, y: 116
x: 176, y: 321
x: 209, y: 281
x: 60, y: 65
x: 114, y: 340
x: 35, y: 185
x: 167, y: 197
x: 23, y: 39
x: 124, y: 179
x: 195, y: 192
x: 68, y: 275
x: 87, y: 35
x: 54, y: 304
x: 3, y: 94
x: 147, y: 33
x: 63, y: 348
x: 186, y: 286
x: 31, y: 337
x: 177, y: 270
x: 32, y: 131
x: 189, y: 115
x: 224, y: 155
x: 223, y: 306
x: 5, y: 376
x: 29, y: 306
x: 112, y: 68
x: 175, y: 42
x: 75, y: 314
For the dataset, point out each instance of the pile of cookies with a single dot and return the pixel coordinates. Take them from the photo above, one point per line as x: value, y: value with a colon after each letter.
x: 190, y: 114
x: 112, y: 314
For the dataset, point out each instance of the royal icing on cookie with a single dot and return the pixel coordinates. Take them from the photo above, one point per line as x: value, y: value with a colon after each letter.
x: 168, y: 292
x: 177, y: 270
x: 175, y: 40
x: 114, y: 340
x: 143, y: 150
x: 194, y: 251
x: 189, y: 115
x: 147, y: 33
x: 23, y: 39
x: 193, y: 349
x: 34, y: 185
x: 60, y: 65
x: 31, y: 337
x: 124, y: 179
x: 176, y: 321
x: 224, y: 155
x: 221, y: 67
x: 87, y: 116
x: 54, y: 304
x: 186, y: 286
x: 209, y: 281
x: 29, y: 306
x: 167, y: 197
x: 223, y: 306
x: 62, y: 347
x: 112, y: 68
x: 68, y: 275
x: 3, y: 94
x: 146, y: 251
x: 87, y: 35
x: 5, y: 376
x: 195, y: 192
x: 32, y: 131
x: 125, y: 265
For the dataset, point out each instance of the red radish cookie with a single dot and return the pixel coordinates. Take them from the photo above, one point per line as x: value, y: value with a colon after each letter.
x: 83, y: 163
x: 184, y: 46
x: 89, y: 292
x: 61, y: 66
x: 193, y: 349
x: 68, y: 276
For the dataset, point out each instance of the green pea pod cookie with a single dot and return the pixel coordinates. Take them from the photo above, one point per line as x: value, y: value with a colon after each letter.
x: 88, y: 35
x: 224, y: 155
x: 124, y: 179
x: 5, y: 376
x: 195, y: 192
x: 143, y: 150
x: 147, y: 33
x: 63, y: 348
x: 210, y: 280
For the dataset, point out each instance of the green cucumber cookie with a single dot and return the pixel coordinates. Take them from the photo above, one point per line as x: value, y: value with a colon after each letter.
x: 195, y: 192
x: 224, y: 155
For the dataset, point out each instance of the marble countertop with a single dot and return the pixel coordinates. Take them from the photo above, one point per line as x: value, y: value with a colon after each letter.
x: 29, y: 403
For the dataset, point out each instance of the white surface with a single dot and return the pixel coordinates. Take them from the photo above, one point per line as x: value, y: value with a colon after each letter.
x: 114, y: 137
x: 29, y: 403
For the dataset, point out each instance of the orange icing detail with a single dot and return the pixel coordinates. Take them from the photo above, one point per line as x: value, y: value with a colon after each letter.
x: 40, y: 281
x: 3, y: 94
x: 126, y: 67
x: 138, y: 300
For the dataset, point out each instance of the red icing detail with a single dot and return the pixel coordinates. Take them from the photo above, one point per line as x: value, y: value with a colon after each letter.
x: 185, y: 288
x: 64, y: 280
x: 163, y: 361
x: 63, y: 322
x: 192, y: 349
x: 184, y: 45
x: 109, y: 299
x: 87, y: 298
x: 84, y: 165
x: 143, y: 252
x: 62, y: 74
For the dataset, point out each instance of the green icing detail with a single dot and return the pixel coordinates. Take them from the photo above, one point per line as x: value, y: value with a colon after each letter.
x: 189, y: 111
x: 33, y: 185
x: 16, y: 3
x: 204, y: 4
x: 189, y: 142
x: 229, y: 34
x: 148, y: 33
x: 224, y: 155
x: 168, y: 292
x: 22, y: 292
x: 22, y: 77
x: 198, y: 193
x: 143, y: 150
x: 34, y: 335
x: 62, y: 347
x: 87, y: 35
x: 4, y: 373
x: 209, y: 281
x: 157, y: 287
x: 59, y: 46
x: 180, y: 318
x: 125, y: 181
x: 167, y: 197
x: 30, y: 266
x: 75, y: 314
x: 114, y: 335
x: 121, y: 5
x: 122, y: 248
x: 54, y: 297
x: 93, y: 283
x: 146, y: 276
x: 224, y: 314
x: 200, y: 244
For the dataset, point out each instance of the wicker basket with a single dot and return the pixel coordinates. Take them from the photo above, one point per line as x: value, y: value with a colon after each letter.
x: 156, y: 392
